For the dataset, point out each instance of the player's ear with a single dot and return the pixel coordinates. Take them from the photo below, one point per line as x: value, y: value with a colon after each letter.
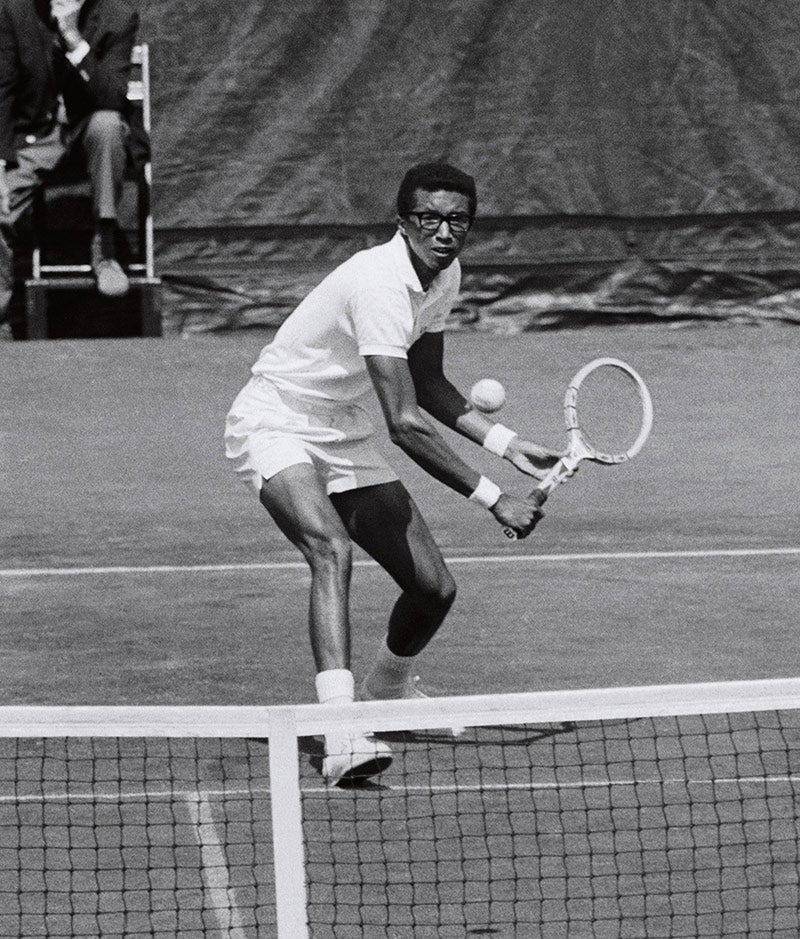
x: 401, y: 225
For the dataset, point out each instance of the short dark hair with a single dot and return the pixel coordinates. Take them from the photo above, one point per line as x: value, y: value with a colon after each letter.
x: 430, y: 177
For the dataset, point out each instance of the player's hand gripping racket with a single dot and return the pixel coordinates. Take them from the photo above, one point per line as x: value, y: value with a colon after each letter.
x: 608, y: 412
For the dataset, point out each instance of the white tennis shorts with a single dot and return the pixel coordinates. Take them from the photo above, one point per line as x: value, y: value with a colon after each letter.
x: 268, y: 429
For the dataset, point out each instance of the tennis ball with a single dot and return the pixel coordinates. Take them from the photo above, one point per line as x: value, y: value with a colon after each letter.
x: 487, y: 395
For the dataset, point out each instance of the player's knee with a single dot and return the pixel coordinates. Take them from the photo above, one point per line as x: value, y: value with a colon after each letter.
x: 105, y: 126
x: 438, y: 595
x: 328, y: 552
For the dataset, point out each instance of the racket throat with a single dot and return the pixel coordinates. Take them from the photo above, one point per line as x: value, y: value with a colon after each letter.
x: 562, y: 470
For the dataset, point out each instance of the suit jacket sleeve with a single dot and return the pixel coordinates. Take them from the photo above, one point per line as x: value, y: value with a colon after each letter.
x: 8, y: 69
x: 105, y: 69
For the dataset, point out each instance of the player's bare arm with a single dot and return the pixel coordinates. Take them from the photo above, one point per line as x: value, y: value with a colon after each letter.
x: 418, y: 438
x: 443, y: 401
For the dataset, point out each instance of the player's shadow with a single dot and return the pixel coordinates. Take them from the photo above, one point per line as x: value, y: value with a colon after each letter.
x: 505, y: 734
x: 314, y: 749
x: 424, y: 736
x: 513, y: 735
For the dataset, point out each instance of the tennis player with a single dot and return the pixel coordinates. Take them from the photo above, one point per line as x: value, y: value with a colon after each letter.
x: 299, y: 434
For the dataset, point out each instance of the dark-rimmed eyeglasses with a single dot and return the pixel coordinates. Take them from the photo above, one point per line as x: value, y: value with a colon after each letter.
x: 457, y: 222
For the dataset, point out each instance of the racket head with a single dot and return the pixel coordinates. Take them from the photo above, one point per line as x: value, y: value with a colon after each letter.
x: 608, y: 411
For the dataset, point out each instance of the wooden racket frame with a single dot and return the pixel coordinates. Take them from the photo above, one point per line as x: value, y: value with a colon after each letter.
x: 578, y: 447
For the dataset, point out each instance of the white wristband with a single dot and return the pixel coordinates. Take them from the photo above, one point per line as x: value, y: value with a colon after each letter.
x: 486, y: 493
x: 498, y: 439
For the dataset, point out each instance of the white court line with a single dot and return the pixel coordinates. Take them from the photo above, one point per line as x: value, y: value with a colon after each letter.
x: 202, y: 815
x: 473, y: 559
x: 219, y: 893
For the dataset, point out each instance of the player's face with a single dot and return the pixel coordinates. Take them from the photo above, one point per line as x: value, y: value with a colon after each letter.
x: 434, y: 247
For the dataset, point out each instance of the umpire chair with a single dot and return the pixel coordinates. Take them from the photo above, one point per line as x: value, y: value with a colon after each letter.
x: 48, y: 275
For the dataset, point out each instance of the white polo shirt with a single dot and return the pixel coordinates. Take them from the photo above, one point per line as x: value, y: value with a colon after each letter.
x: 372, y: 304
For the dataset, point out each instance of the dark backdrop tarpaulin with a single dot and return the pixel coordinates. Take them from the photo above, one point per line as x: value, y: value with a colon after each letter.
x: 635, y: 159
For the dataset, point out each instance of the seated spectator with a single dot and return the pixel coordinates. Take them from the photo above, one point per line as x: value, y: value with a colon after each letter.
x: 64, y: 68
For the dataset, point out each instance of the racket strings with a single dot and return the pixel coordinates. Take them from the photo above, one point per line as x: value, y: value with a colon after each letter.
x: 609, y: 410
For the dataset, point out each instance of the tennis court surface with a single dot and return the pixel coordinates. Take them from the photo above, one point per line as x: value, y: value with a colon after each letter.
x: 137, y: 570
x: 138, y: 573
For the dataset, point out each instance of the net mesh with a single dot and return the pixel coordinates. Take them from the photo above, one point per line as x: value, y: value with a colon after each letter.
x: 135, y: 837
x: 659, y: 827
x: 662, y: 826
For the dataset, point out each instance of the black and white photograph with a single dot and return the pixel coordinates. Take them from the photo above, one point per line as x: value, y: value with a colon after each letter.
x: 399, y: 518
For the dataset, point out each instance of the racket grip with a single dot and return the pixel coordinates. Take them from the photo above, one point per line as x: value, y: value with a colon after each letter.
x: 540, y: 494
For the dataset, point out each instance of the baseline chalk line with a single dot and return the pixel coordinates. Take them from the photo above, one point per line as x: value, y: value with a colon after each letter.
x: 23, y: 572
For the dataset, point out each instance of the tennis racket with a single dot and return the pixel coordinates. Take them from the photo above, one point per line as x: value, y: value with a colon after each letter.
x: 608, y: 412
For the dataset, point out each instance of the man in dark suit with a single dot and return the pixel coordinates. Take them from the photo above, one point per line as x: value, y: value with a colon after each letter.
x: 64, y: 67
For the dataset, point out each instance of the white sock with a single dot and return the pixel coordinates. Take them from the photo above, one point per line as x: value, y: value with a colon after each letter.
x: 335, y: 686
x: 390, y: 674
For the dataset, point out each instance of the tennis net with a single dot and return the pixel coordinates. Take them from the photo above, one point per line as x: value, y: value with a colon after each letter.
x: 662, y: 811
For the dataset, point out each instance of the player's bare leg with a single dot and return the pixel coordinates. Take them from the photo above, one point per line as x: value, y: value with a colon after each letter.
x: 297, y: 501
x: 386, y: 523
x: 299, y: 505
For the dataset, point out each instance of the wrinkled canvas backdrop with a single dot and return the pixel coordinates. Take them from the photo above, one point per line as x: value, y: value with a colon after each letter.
x: 635, y: 159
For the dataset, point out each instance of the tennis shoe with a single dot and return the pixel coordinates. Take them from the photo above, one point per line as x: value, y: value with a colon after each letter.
x: 351, y: 759
x: 112, y: 281
x: 413, y: 689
